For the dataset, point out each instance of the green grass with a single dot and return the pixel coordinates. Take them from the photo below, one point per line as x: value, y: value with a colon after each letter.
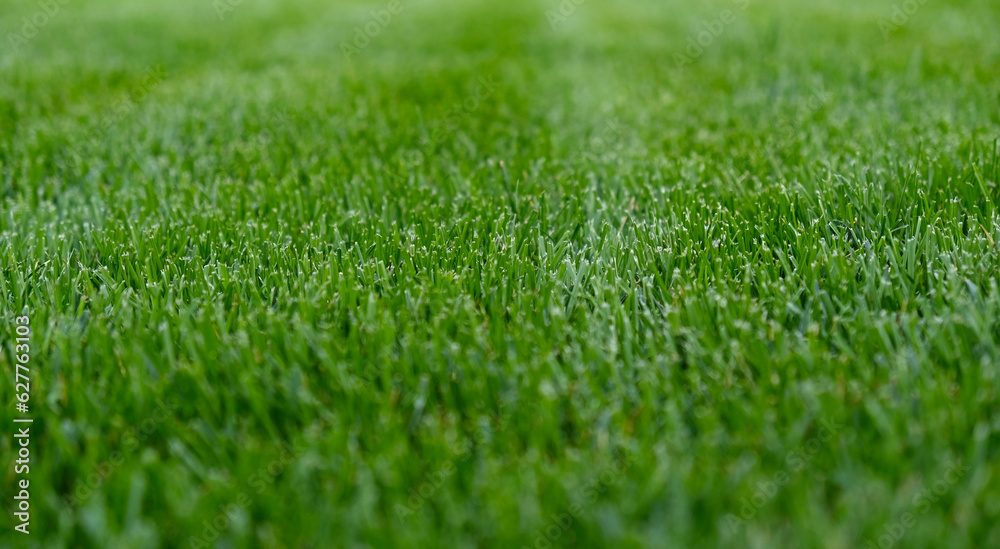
x: 606, y: 285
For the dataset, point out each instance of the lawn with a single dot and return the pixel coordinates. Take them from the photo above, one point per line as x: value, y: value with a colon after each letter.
x: 514, y: 274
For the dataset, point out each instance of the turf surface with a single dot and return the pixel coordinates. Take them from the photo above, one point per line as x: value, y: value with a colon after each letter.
x: 503, y: 274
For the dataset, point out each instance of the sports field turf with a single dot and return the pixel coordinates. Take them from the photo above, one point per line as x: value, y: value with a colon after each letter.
x: 501, y: 274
